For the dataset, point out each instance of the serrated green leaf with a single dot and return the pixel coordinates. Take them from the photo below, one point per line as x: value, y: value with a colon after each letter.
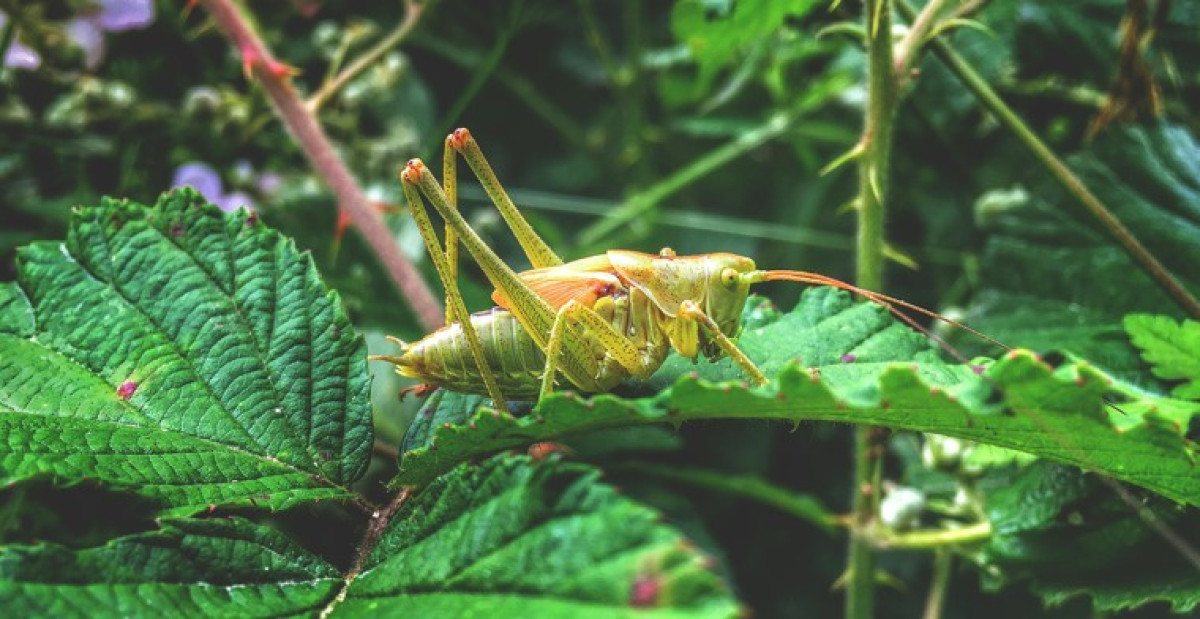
x: 1182, y: 593
x: 514, y: 537
x: 220, y: 567
x: 1173, y: 348
x: 191, y: 357
x: 847, y: 376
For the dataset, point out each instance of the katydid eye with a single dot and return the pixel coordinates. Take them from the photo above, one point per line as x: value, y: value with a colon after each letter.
x: 730, y: 277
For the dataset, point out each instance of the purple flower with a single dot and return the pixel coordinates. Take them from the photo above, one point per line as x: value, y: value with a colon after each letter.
x: 122, y: 15
x: 203, y: 178
x: 18, y: 55
x: 88, y: 28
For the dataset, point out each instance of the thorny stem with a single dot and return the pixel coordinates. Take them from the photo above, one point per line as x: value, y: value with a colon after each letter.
x: 303, y: 125
x: 413, y: 10
x: 875, y: 150
x: 908, y: 50
x: 375, y: 528
x: 994, y: 104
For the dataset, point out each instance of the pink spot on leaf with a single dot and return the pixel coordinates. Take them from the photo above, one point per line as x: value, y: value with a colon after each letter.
x: 644, y: 592
x: 126, y: 390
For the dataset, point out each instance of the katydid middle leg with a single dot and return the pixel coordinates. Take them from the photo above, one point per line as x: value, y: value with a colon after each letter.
x: 563, y: 338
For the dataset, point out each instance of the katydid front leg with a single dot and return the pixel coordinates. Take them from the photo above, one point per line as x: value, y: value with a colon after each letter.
x: 688, y: 310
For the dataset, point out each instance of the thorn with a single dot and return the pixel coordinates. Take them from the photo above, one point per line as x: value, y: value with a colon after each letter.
x: 251, y: 58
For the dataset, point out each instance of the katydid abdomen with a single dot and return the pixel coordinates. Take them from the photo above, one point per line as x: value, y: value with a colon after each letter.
x: 444, y: 359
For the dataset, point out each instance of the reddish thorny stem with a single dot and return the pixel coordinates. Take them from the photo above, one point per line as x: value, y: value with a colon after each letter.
x: 275, y: 78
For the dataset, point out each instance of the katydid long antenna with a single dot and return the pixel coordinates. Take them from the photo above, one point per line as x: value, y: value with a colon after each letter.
x: 891, y: 303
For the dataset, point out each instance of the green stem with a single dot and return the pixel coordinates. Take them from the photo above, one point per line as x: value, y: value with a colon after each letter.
x: 412, y: 14
x: 480, y: 77
x: 7, y: 37
x: 909, y: 49
x: 800, y: 505
x: 875, y: 150
x: 939, y: 582
x: 994, y: 104
x: 638, y: 204
x: 935, y: 539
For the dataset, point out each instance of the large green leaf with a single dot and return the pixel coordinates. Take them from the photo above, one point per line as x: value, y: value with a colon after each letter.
x: 514, y: 537
x: 509, y: 538
x: 221, y: 567
x: 847, y: 374
x: 191, y: 357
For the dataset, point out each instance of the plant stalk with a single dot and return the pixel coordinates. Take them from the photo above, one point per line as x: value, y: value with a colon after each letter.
x: 939, y: 583
x: 307, y: 132
x: 875, y: 150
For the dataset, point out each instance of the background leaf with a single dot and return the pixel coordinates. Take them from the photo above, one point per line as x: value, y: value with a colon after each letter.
x: 1053, y: 281
x: 191, y: 357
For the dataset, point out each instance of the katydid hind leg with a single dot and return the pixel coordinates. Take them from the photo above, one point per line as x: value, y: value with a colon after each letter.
x: 450, y: 186
x: 456, y: 308
x: 531, y: 310
x: 539, y: 253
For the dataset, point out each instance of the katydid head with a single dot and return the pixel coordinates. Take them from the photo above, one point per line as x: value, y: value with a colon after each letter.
x: 725, y: 296
x: 714, y: 283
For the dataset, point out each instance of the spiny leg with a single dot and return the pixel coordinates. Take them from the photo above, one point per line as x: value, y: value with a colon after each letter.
x: 457, y: 309
x: 530, y: 309
x: 688, y: 310
x: 538, y: 252
x: 450, y: 185
x: 613, y: 342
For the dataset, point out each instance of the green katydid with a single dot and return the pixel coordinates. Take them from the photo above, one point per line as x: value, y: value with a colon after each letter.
x: 597, y: 320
